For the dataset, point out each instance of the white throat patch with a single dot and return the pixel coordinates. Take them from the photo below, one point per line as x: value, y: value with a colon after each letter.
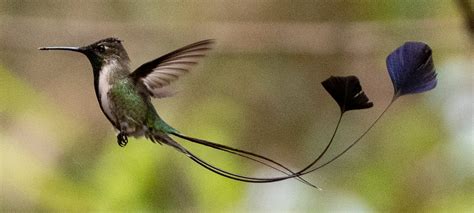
x: 104, y: 87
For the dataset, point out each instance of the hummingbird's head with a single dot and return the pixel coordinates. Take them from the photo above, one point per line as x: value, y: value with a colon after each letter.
x: 100, y: 53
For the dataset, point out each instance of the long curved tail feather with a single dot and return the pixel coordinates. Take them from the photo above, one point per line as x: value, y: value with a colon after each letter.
x: 164, y: 138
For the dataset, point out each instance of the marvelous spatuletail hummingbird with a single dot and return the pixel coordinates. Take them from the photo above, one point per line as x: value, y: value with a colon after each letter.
x: 125, y: 99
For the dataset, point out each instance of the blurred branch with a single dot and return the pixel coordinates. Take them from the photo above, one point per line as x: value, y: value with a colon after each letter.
x: 314, y: 38
x: 467, y: 10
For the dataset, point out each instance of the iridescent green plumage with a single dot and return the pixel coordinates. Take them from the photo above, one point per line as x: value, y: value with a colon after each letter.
x: 135, y: 108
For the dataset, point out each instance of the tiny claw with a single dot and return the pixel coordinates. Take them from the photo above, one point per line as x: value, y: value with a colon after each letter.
x: 122, y: 139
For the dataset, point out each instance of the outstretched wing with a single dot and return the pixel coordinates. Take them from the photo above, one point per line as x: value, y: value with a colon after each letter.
x: 157, y: 74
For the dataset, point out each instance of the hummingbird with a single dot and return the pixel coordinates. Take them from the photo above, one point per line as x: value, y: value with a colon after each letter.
x: 125, y: 99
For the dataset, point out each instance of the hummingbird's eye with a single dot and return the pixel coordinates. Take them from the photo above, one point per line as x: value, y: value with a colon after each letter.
x: 101, y: 48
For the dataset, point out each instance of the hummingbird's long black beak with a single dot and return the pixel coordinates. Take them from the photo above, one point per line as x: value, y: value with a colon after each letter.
x: 75, y: 49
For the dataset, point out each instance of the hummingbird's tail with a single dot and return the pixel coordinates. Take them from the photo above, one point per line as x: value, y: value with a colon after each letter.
x: 242, y: 153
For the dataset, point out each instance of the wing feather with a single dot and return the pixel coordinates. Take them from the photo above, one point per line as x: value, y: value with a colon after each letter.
x: 162, y: 71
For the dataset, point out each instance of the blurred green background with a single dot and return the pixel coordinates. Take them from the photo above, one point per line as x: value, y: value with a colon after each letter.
x: 259, y: 90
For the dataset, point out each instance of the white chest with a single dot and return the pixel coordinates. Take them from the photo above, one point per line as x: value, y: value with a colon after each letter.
x: 104, y: 88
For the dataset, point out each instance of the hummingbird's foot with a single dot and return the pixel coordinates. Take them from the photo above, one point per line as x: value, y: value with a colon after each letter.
x: 122, y: 139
